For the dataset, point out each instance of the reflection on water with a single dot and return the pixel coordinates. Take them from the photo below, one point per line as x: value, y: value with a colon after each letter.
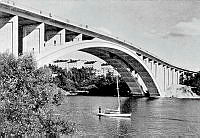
x: 150, y: 116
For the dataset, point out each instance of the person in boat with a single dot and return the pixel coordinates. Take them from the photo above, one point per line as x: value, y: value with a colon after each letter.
x: 99, y: 109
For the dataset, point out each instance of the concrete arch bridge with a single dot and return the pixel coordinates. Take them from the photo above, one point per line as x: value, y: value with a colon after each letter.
x: 49, y: 37
x: 155, y: 76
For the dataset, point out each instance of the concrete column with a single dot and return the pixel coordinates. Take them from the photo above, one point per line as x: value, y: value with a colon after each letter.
x: 139, y: 55
x: 149, y: 64
x: 154, y: 69
x: 78, y: 38
x: 41, y: 37
x: 160, y: 76
x: 168, y: 76
x: 177, y: 77
x: 62, y: 33
x: 144, y: 59
x: 165, y: 79
x: 15, y: 35
x: 172, y: 76
x: 55, y: 38
x: 9, y: 35
x: 33, y: 40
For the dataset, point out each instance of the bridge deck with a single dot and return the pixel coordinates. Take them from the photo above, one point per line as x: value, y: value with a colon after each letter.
x: 8, y: 8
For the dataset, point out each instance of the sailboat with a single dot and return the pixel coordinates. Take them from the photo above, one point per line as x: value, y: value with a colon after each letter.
x: 114, y: 112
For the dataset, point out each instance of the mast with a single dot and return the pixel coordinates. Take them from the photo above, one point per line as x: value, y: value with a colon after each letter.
x: 118, y: 94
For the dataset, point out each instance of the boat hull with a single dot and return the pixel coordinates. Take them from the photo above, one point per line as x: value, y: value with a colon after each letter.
x: 114, y: 115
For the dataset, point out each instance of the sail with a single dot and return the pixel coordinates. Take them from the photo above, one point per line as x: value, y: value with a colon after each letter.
x: 118, y: 94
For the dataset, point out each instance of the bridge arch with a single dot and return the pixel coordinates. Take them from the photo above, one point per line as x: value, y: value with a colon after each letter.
x: 120, y: 57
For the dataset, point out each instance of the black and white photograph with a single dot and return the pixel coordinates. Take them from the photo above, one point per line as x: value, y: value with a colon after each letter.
x: 99, y: 68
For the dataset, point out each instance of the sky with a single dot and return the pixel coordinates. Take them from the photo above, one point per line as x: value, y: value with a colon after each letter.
x: 170, y: 29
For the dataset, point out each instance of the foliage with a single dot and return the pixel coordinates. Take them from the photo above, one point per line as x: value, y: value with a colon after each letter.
x: 191, y: 80
x: 85, y: 79
x: 28, y: 98
x: 63, y: 79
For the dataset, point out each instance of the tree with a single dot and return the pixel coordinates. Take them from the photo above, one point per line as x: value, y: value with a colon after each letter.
x: 192, y: 80
x: 28, y: 98
x: 85, y: 79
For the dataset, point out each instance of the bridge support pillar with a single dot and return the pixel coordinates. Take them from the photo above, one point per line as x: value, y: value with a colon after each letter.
x: 145, y: 59
x: 160, y: 77
x: 172, y: 76
x: 9, y: 35
x: 139, y: 55
x: 78, y: 38
x: 33, y: 38
x: 165, y: 78
x: 150, y: 64
x: 54, y: 37
x: 154, y: 68
x: 159, y: 69
x: 176, y: 77
x: 168, y: 76
x: 62, y: 36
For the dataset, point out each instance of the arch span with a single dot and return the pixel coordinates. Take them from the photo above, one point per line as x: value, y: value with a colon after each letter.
x: 121, y: 66
x: 120, y: 57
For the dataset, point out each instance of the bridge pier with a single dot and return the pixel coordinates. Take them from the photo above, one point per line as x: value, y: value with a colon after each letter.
x: 145, y: 59
x: 155, y: 69
x: 178, y: 77
x: 172, y: 76
x: 159, y: 76
x: 169, y: 76
x: 33, y: 38
x: 78, y: 38
x: 149, y: 64
x: 54, y: 36
x: 165, y: 77
x: 9, y: 34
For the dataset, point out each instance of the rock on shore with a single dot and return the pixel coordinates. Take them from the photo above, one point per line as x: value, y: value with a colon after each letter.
x: 180, y: 91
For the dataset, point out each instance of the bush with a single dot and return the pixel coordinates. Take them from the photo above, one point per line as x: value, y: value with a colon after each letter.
x: 28, y: 99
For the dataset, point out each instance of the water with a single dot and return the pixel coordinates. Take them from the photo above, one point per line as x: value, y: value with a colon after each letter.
x: 150, y: 117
